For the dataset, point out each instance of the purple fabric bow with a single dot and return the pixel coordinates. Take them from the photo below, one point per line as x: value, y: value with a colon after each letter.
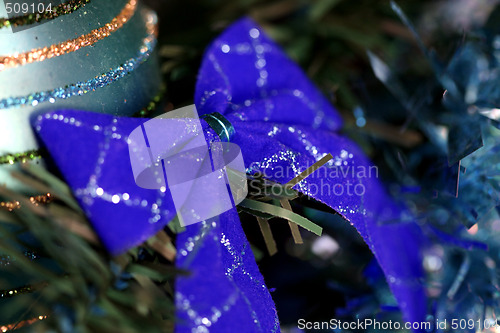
x: 283, y: 125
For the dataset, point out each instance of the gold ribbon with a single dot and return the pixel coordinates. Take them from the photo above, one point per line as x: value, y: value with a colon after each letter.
x: 285, y: 203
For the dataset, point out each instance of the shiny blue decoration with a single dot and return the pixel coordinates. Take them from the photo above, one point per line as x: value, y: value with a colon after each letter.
x: 283, y: 125
x: 469, y: 84
x: 455, y: 172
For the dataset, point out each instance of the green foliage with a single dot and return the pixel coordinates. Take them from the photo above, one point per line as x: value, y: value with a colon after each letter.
x: 73, y: 281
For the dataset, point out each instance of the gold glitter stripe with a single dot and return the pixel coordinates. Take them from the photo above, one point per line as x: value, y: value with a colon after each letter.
x: 24, y: 323
x: 71, y: 45
x: 60, y: 10
x: 43, y: 199
x: 294, y: 228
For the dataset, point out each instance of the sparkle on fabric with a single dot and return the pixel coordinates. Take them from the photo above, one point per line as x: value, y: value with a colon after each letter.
x: 94, y: 191
x: 189, y: 248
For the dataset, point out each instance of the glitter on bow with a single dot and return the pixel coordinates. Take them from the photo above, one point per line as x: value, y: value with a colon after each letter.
x: 23, y: 323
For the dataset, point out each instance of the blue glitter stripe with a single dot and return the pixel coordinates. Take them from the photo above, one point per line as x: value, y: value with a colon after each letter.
x: 82, y: 88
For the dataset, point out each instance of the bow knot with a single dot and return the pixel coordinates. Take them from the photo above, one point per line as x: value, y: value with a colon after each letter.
x: 220, y: 124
